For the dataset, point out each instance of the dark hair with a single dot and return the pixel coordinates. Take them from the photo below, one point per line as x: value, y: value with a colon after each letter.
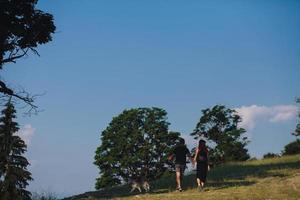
x: 201, y: 143
x: 181, y: 141
x: 202, y: 146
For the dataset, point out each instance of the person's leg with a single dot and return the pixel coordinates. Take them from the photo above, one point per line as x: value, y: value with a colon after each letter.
x: 198, y: 174
x: 204, y: 175
x: 178, y: 179
x: 198, y: 182
x: 178, y: 172
x: 182, y: 167
x: 202, y: 183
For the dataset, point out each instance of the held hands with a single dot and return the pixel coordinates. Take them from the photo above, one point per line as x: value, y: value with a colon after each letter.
x: 208, y: 168
x: 193, y: 163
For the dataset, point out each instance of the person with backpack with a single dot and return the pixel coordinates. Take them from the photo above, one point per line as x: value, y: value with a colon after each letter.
x: 180, y: 153
x: 201, y: 158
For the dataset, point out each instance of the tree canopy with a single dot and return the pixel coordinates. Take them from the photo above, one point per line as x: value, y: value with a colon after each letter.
x: 134, y: 145
x: 219, y: 125
x: 22, y: 29
x: 292, y: 148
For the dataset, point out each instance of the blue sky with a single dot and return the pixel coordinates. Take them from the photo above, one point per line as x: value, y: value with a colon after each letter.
x: 182, y: 56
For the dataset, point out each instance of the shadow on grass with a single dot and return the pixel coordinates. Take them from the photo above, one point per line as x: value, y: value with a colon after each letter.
x: 240, y: 171
x: 228, y: 175
x: 227, y: 184
x: 114, y: 192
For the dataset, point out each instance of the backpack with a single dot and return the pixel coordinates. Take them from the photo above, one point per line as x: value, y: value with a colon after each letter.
x: 202, y: 156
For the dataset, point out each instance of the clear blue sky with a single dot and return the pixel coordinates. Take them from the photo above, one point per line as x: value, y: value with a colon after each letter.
x: 183, y: 56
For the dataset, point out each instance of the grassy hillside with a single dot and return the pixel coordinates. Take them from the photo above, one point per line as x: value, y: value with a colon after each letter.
x: 277, y: 178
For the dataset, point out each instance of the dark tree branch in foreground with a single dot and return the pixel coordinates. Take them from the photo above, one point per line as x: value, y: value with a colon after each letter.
x: 22, y: 29
x: 21, y: 95
x: 13, y: 56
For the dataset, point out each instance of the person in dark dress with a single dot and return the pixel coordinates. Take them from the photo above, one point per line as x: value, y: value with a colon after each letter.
x: 180, y: 153
x: 201, y: 158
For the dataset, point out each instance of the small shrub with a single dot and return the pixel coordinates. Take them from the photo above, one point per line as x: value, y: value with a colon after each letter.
x: 270, y: 155
x: 253, y: 158
x: 44, y: 196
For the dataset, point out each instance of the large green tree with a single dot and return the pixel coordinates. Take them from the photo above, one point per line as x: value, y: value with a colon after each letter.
x: 134, y: 145
x: 219, y: 125
x: 22, y: 29
x: 14, y: 175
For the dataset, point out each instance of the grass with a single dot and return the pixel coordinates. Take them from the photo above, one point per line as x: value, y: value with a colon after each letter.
x: 275, y: 178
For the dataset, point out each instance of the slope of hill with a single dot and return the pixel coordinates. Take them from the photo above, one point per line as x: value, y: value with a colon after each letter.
x: 276, y: 178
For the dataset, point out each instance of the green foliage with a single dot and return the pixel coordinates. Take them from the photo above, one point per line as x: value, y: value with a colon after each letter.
x: 134, y: 145
x: 219, y: 126
x: 292, y: 148
x: 106, y: 180
x: 297, y: 130
x: 14, y: 176
x: 23, y: 28
x: 270, y: 155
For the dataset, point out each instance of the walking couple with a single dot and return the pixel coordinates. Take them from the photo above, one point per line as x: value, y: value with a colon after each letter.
x: 180, y: 153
